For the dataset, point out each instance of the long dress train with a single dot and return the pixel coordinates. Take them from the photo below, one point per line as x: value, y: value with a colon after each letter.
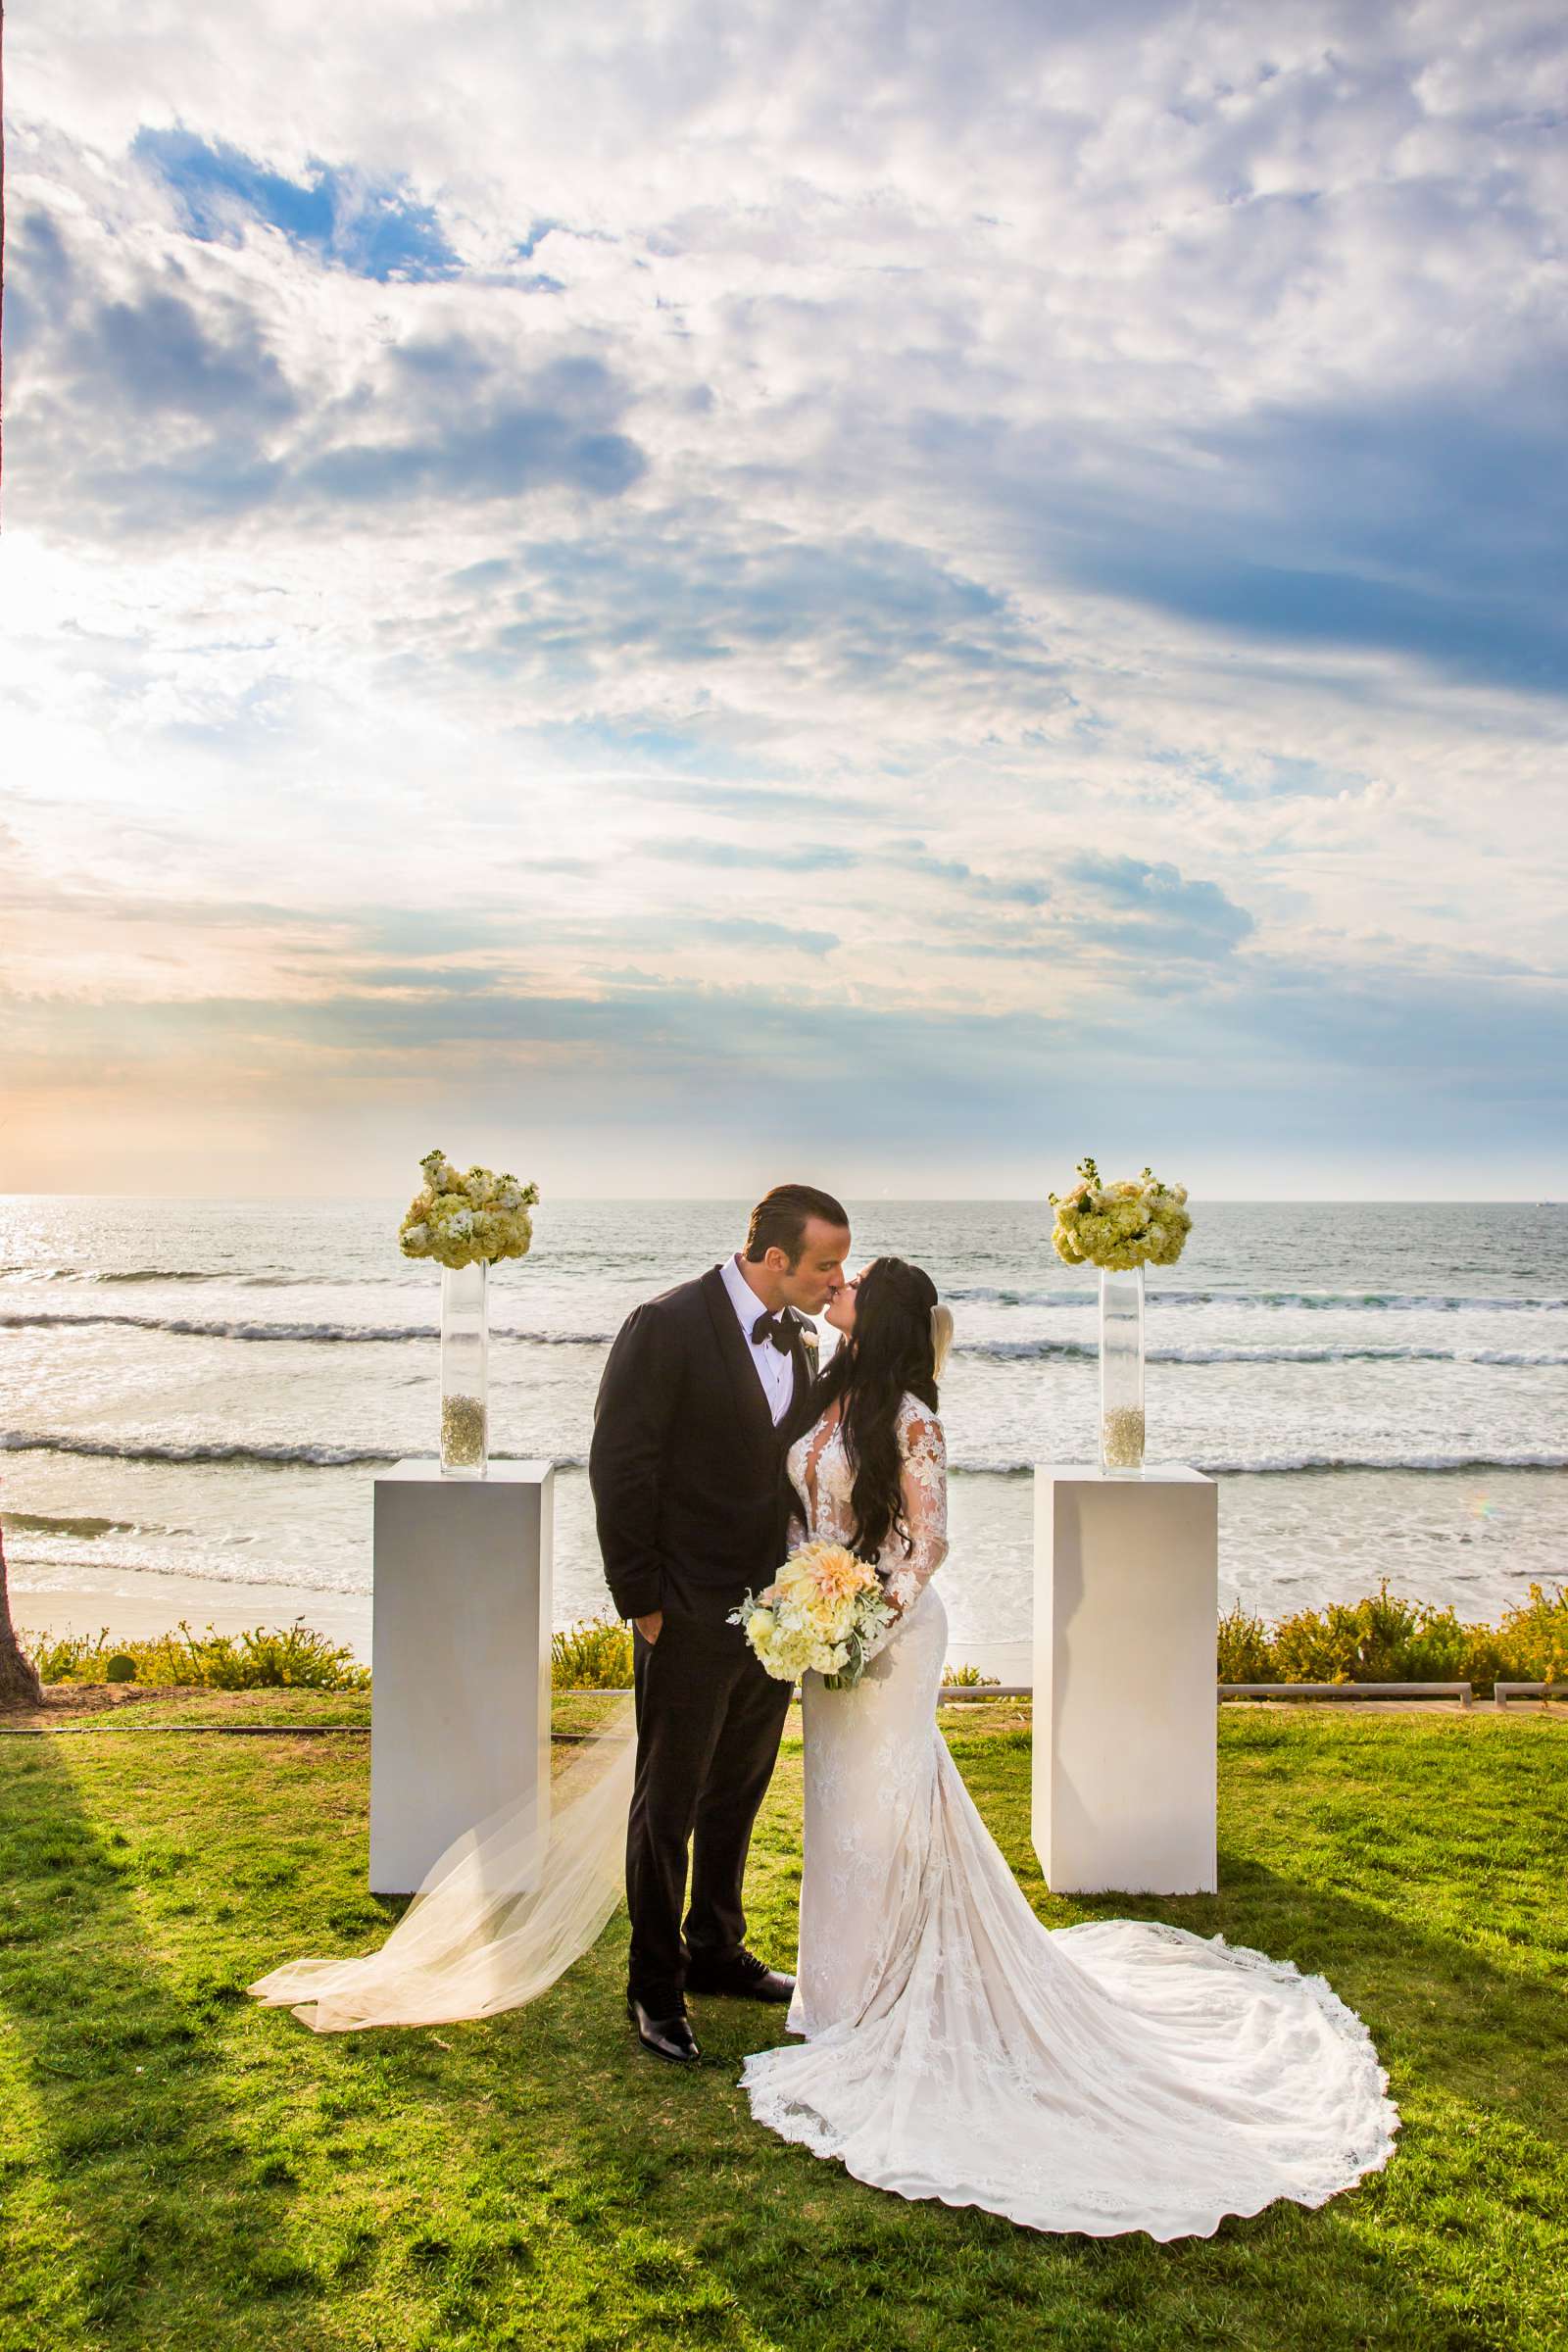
x: 1113, y: 2077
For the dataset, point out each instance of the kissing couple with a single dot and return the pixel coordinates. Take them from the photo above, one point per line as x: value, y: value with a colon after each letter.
x: 1110, y: 2077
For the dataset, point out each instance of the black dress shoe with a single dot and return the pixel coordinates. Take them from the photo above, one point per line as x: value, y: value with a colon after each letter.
x: 666, y: 2036
x: 745, y: 1977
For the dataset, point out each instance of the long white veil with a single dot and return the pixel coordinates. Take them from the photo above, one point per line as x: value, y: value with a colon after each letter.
x: 497, y: 1918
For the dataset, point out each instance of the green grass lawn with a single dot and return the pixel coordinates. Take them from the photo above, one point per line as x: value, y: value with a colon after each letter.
x: 182, y: 2168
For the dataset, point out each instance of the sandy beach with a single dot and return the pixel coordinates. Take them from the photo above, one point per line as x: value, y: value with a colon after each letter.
x: 143, y: 1606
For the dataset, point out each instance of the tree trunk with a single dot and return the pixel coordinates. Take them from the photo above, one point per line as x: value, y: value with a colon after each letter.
x: 19, y: 1677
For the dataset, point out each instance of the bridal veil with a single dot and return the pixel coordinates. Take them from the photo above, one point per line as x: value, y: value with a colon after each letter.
x: 498, y: 1917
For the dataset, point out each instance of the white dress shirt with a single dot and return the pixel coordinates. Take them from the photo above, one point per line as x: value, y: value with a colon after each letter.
x: 774, y: 1369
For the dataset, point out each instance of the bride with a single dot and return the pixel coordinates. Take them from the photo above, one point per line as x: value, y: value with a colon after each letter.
x: 1113, y: 2077
x: 1106, y: 2078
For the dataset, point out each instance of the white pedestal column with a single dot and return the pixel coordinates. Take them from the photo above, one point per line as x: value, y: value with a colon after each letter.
x: 1126, y: 1602
x: 460, y: 1658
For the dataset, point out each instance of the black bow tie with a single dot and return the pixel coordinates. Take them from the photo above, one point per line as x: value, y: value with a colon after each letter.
x: 774, y: 1328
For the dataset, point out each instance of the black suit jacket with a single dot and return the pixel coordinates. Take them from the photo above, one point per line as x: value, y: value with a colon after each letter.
x: 686, y: 1465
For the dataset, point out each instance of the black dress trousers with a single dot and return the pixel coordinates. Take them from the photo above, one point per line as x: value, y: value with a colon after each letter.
x: 692, y: 1506
x: 708, y: 1724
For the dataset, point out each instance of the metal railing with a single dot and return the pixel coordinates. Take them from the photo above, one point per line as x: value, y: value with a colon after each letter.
x: 1462, y: 1692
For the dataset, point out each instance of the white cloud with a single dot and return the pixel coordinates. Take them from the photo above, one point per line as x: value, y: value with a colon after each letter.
x: 612, y: 489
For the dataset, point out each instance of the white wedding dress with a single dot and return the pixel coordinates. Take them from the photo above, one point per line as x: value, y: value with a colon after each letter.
x: 1113, y: 2077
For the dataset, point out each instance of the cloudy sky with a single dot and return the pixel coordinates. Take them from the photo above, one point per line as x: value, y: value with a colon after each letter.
x: 675, y: 594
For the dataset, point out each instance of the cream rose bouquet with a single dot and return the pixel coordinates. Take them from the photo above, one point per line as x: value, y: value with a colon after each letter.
x: 821, y: 1614
x: 1136, y: 1222
x: 467, y: 1219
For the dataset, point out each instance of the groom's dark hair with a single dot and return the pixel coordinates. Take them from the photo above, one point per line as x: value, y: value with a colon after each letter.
x: 781, y: 1216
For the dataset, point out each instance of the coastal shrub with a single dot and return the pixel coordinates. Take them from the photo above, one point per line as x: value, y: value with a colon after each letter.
x: 289, y: 1658
x: 58, y: 1656
x: 595, y: 1654
x: 1384, y: 1639
x: 1534, y: 1634
x: 1246, y: 1651
x: 286, y: 1658
x: 1379, y: 1639
x: 1487, y: 1658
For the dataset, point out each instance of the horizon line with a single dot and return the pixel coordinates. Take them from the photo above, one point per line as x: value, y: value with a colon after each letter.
x: 913, y: 1200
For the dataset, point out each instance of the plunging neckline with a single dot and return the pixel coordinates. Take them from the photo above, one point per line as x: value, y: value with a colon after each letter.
x: 813, y: 1456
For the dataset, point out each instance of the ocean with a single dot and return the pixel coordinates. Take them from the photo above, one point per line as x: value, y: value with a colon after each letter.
x: 195, y: 1396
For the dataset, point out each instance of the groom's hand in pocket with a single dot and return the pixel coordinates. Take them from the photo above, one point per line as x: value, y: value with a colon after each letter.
x: 652, y: 1627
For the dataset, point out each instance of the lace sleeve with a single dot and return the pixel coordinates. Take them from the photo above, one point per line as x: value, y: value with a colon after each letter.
x: 925, y: 1510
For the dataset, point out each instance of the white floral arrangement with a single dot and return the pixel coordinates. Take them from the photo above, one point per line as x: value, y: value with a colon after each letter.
x: 1137, y: 1222
x: 467, y: 1219
x: 823, y: 1613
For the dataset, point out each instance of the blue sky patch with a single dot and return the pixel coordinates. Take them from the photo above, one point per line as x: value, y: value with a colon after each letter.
x: 372, y: 228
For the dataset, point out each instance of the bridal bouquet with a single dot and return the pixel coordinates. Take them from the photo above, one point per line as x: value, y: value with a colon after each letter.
x: 467, y: 1220
x: 1137, y: 1222
x: 820, y: 1614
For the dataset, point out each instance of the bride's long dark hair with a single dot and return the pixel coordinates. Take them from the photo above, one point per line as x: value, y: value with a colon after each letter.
x: 891, y: 1353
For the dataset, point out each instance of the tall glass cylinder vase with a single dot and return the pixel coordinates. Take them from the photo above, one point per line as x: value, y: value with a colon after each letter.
x: 1121, y: 1371
x: 465, y: 1371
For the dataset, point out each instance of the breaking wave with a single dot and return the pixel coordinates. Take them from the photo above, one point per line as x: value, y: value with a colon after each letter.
x: 1013, y: 1352
x: 343, y: 1334
x: 1392, y: 1301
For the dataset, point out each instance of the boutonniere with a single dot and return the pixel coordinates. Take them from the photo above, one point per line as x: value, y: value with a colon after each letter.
x: 808, y: 1339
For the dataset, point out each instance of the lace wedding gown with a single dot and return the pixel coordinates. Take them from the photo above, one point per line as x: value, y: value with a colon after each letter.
x: 1112, y: 2077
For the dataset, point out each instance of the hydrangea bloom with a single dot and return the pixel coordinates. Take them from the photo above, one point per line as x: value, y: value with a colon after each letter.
x: 1138, y: 1221
x: 467, y: 1219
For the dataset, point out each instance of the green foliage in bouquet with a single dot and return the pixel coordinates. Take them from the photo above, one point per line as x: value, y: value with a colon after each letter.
x: 467, y: 1219
x: 1137, y: 1221
x: 1385, y: 1639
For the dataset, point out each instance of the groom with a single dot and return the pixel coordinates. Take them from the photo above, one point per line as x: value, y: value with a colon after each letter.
x: 689, y: 1491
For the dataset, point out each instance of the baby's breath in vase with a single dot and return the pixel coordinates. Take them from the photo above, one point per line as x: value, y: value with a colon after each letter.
x: 465, y: 1370
x: 1121, y: 1370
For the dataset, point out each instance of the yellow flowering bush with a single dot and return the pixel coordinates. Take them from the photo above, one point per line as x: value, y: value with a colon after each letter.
x: 1136, y: 1222
x: 466, y: 1219
x: 1385, y: 1639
